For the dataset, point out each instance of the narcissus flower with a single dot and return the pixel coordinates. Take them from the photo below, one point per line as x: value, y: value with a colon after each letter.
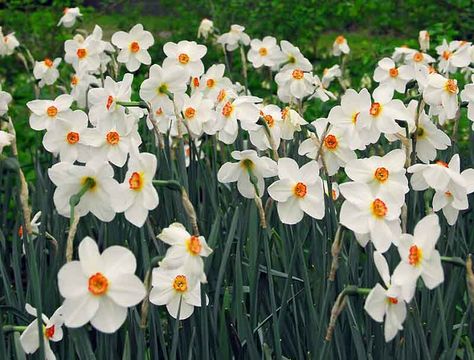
x: 206, y: 27
x: 136, y: 195
x: 396, y: 78
x: 99, y: 287
x: 70, y: 16
x: 44, y: 113
x: 248, y: 162
x: 429, y: 139
x: 454, y: 55
x: 340, y: 46
x: 186, y: 55
x: 46, y: 71
x: 291, y: 121
x: 468, y: 95
x: 441, y: 91
x: 365, y: 211
x: 386, y: 303
x: 66, y: 138
x: 346, y: 115
x: 294, y: 84
x: 80, y: 83
x: 299, y: 191
x: 424, y: 40
x: 5, y: 100
x: 176, y: 289
x: 264, y: 52
x: 271, y: 114
x: 292, y: 58
x: 213, y: 81
x: 52, y: 331
x: 329, y: 74
x: 70, y: 179
x: 379, y: 172
x: 199, y: 114
x: 234, y: 37
x: 83, y: 54
x: 8, y: 43
x: 160, y: 83
x: 133, y: 47
x: 186, y: 251
x: 5, y: 139
x: 419, y: 258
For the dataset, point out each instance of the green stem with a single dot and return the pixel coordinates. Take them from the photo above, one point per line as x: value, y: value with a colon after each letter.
x: 244, y: 68
x: 454, y: 260
x: 12, y: 328
x: 75, y: 199
x: 141, y: 104
x: 170, y: 184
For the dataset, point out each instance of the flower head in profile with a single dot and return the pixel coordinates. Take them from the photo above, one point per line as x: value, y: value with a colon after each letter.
x: 386, y: 303
x: 419, y: 258
x: 99, y: 287
x: 8, y: 43
x: 248, y: 164
x: 176, y: 289
x: 424, y: 40
x: 271, y: 114
x: 232, y: 39
x: 52, y: 331
x: 298, y: 191
x: 441, y: 91
x: 467, y: 95
x: 292, y: 58
x: 69, y: 17
x: 5, y: 100
x: 206, y: 27
x: 291, y: 122
x: 5, y: 139
x: 340, y: 46
x: 133, y: 47
x: 186, y: 251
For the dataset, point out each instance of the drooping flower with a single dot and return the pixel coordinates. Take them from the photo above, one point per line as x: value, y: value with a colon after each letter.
x: 176, y: 289
x: 234, y: 37
x: 99, y: 287
x: 70, y: 16
x: 329, y: 74
x: 46, y: 71
x: 299, y: 191
x: 186, y: 251
x: 186, y: 55
x: 136, y: 195
x: 248, y: 161
x: 340, y: 46
x: 271, y: 114
x: 441, y: 91
x: 419, y: 258
x: 70, y: 179
x: 291, y: 121
x: 386, y: 303
x: 8, y: 43
x: 133, y: 47
x: 367, y: 212
x: 52, y: 331
x: 424, y: 40
x: 206, y: 27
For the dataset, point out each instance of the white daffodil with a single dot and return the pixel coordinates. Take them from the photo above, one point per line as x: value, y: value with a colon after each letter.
x: 291, y: 121
x: 213, y: 81
x: 46, y: 71
x: 340, y: 46
x: 381, y: 172
x: 419, y: 258
x: 345, y: 116
x: 70, y: 16
x: 114, y: 141
x: 386, y: 302
x: 105, y: 58
x: 80, y: 84
x: 52, y: 331
x: 242, y: 108
x: 206, y: 27
x: 133, y: 47
x: 271, y: 114
x: 199, y: 115
x: 365, y: 211
x: 83, y: 54
x: 424, y: 40
x: 44, y: 113
x: 454, y: 55
x: 66, y: 137
x: 292, y: 58
x: 334, y: 149
x: 299, y: 191
x: 186, y: 55
x: 5, y: 139
x: 248, y: 162
x: 136, y: 195
x: 233, y: 38
x: 382, y: 114
x: 99, y: 287
x: 294, y: 84
x: 417, y: 60
x: 441, y: 91
x: 329, y: 74
x: 70, y: 179
x: 161, y: 82
x: 265, y: 52
x: 401, y: 53
x: 186, y: 251
x: 176, y: 289
x: 429, y: 139
x: 320, y: 92
x: 8, y: 43
x: 396, y: 78
x: 467, y: 94
x: 5, y: 100
x: 103, y: 101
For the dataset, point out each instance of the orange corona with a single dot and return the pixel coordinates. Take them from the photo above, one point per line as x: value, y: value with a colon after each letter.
x: 98, y: 284
x: 300, y: 190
